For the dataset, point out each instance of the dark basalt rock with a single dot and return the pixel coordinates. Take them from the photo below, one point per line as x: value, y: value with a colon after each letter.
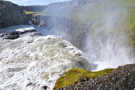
x: 44, y: 87
x: 17, y: 34
x: 122, y: 78
x: 10, y: 35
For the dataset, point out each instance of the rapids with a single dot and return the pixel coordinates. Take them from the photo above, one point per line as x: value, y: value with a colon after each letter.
x: 33, y: 62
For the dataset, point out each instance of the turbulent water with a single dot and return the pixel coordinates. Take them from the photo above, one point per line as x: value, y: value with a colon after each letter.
x: 33, y: 62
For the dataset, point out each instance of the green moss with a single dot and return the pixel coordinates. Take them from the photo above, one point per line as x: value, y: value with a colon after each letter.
x: 29, y: 12
x: 75, y: 74
x: 35, y: 13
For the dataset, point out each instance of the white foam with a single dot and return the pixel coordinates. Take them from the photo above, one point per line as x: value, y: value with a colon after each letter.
x: 29, y: 66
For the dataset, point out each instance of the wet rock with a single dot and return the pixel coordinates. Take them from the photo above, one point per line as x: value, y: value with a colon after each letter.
x: 13, y: 32
x: 44, y: 87
x: 10, y: 35
x: 29, y: 84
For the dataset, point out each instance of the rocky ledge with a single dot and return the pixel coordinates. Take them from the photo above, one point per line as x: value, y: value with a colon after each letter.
x: 122, y: 78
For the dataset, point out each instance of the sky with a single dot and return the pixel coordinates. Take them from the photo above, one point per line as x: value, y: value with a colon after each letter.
x: 35, y: 2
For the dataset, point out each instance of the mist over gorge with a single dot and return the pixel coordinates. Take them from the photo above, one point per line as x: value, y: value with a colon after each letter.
x: 98, y: 28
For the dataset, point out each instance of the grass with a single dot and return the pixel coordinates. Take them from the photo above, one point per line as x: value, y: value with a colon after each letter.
x: 35, y: 13
x: 29, y: 12
x: 73, y: 75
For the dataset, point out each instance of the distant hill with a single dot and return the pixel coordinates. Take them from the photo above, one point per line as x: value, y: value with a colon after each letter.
x: 56, y: 5
x: 35, y: 8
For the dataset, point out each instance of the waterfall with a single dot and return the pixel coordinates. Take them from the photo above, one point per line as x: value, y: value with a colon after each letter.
x: 97, y: 28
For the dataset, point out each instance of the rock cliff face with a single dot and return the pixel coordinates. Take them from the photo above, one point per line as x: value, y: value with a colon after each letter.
x: 11, y: 14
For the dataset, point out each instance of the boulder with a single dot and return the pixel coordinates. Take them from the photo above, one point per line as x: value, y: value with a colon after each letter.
x: 11, y: 14
x: 14, y: 32
x: 9, y: 35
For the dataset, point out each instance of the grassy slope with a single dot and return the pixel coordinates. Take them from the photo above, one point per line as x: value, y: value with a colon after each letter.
x: 75, y: 74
